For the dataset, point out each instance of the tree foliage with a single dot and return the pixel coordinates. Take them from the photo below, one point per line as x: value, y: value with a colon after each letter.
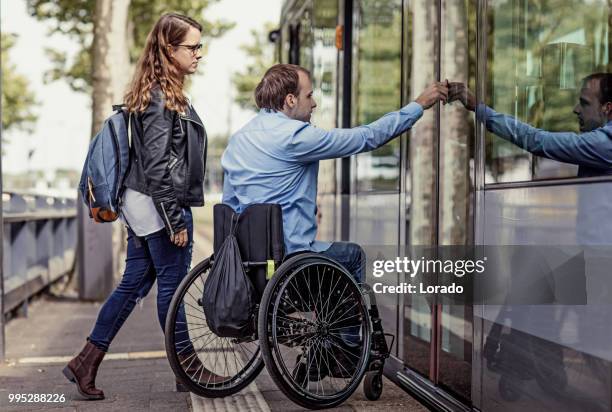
x: 75, y: 18
x: 18, y: 99
x: 260, y: 53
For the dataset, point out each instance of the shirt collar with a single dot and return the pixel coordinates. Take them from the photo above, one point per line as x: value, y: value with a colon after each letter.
x: 273, y: 113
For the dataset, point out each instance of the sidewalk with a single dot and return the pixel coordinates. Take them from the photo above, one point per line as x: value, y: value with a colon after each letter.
x: 135, y: 374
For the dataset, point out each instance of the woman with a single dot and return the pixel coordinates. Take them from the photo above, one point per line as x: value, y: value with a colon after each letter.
x: 165, y: 179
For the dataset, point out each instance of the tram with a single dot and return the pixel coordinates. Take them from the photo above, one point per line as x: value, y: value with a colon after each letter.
x: 451, y: 182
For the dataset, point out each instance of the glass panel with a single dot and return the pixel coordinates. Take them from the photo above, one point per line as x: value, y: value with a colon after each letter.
x: 324, y: 72
x: 419, y: 71
x: 375, y: 223
x: 554, y: 357
x: 456, y: 166
x: 285, y: 44
x: 306, y: 39
x: 377, y: 76
x: 318, y: 54
x: 538, y: 52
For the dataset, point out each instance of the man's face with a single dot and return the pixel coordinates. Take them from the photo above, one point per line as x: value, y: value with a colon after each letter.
x: 301, y: 106
x: 591, y: 112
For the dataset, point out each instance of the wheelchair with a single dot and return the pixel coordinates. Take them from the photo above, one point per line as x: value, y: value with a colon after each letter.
x: 315, y: 329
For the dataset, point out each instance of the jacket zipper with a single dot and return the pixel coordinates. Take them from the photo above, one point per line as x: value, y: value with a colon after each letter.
x: 167, y: 220
x: 172, y: 163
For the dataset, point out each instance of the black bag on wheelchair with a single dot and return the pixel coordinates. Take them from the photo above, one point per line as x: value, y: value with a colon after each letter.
x: 247, y: 247
x: 228, y: 296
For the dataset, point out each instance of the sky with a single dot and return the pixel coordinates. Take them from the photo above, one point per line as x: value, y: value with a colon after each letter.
x: 61, y: 134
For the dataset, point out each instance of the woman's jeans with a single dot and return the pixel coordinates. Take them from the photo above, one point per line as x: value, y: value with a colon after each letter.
x: 148, y: 258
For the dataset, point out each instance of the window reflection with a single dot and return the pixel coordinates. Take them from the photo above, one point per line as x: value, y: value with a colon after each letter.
x: 377, y: 44
x: 318, y: 54
x: 455, y: 188
x: 538, y: 53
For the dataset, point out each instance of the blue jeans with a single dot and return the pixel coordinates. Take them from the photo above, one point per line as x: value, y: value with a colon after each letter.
x: 352, y: 257
x: 148, y: 258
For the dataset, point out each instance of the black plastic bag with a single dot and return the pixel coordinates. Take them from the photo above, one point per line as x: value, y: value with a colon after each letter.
x: 229, y: 297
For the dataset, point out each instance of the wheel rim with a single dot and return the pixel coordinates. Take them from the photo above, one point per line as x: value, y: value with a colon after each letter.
x: 205, y: 359
x: 315, y: 309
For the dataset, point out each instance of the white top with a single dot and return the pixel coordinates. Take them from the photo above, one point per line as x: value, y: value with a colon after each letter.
x: 138, y: 209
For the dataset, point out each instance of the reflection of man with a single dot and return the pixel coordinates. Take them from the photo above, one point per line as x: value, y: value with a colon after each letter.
x: 591, y: 149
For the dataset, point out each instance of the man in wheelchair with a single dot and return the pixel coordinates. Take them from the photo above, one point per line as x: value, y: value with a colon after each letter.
x: 275, y: 157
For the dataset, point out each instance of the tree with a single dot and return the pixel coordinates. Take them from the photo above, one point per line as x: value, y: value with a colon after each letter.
x: 110, y: 59
x: 261, y: 55
x: 18, y: 99
x: 422, y: 136
x: 75, y: 18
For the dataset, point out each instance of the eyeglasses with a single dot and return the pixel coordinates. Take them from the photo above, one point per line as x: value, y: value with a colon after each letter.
x: 194, y: 49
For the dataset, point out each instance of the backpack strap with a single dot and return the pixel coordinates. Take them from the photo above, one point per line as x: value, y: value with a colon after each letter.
x: 119, y: 108
x: 129, y: 130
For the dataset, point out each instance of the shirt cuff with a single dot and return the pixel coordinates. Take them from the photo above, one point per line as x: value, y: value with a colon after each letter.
x: 484, y: 113
x: 413, y: 108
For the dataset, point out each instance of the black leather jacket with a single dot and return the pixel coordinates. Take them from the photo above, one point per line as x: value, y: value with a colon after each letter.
x: 168, y: 159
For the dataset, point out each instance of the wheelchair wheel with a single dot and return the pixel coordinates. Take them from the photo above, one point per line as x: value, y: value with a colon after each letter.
x: 373, y: 385
x: 208, y: 365
x: 314, y: 330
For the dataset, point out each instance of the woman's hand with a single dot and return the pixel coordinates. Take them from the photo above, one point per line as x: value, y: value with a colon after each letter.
x: 180, y: 238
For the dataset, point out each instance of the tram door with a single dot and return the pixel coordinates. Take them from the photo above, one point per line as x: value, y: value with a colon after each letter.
x: 309, y: 33
x: 439, y: 44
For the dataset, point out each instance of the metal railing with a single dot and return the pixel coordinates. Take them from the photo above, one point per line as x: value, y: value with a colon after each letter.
x: 40, y: 241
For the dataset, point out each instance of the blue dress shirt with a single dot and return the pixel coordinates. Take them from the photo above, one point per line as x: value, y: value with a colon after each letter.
x: 591, y: 151
x: 275, y: 159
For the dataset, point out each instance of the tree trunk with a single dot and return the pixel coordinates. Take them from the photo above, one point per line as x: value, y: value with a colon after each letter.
x: 454, y: 130
x: 110, y: 73
x: 110, y: 59
x: 609, y: 34
x: 423, y: 134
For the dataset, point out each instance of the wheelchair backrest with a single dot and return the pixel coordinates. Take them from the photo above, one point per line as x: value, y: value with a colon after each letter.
x: 259, y: 233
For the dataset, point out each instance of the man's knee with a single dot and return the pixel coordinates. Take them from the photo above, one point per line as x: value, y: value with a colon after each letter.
x: 358, y: 259
x: 356, y: 252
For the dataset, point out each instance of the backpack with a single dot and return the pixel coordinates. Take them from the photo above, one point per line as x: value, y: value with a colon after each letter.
x: 106, y: 166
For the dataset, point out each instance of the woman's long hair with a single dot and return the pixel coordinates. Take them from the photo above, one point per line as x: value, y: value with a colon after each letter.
x: 156, y: 67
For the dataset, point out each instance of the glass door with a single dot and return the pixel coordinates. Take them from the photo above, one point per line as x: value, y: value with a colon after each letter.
x: 420, y: 68
x: 454, y: 322
x: 440, y: 44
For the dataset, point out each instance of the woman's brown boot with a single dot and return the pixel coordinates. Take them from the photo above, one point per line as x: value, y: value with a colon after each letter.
x: 82, y: 370
x: 197, y: 372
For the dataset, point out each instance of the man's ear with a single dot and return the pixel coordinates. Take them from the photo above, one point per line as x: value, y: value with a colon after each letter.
x: 607, y: 109
x: 290, y: 101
